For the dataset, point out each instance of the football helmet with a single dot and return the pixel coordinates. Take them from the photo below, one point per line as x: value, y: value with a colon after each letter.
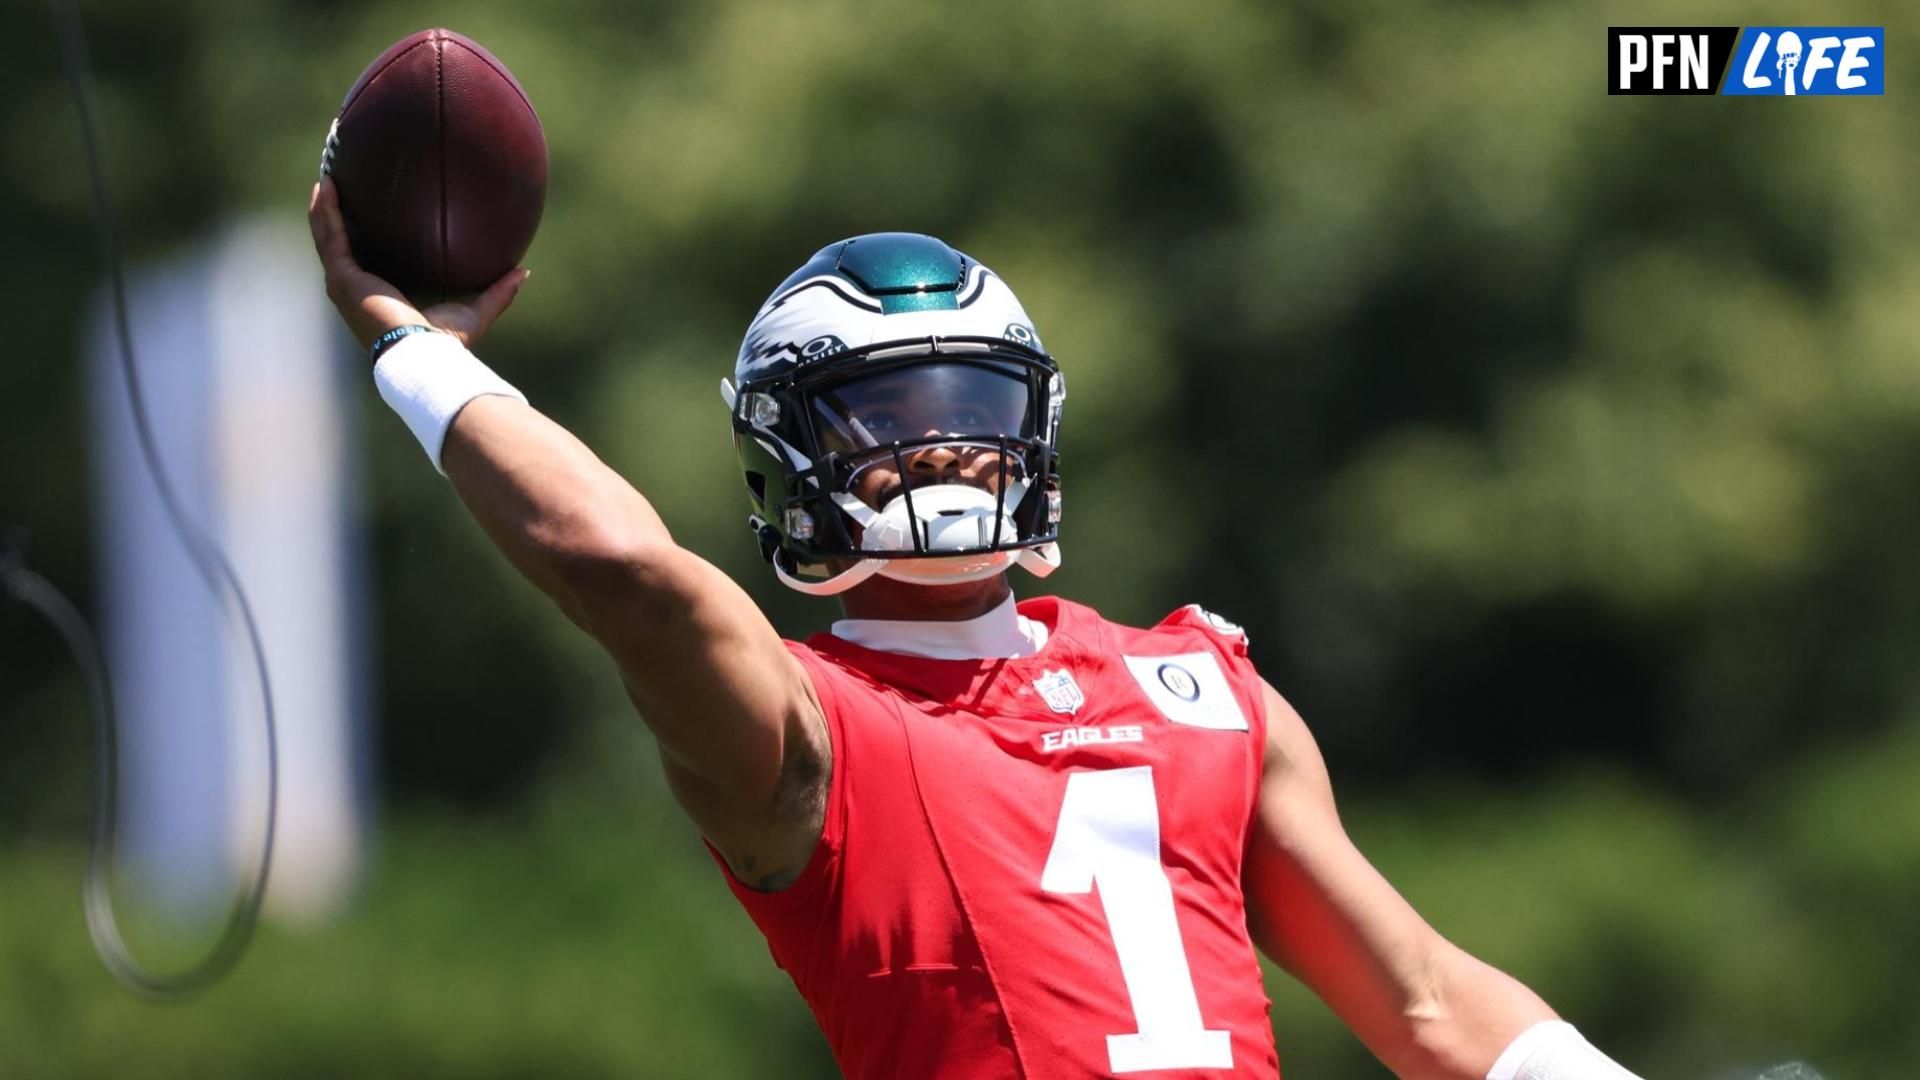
x: 876, y: 351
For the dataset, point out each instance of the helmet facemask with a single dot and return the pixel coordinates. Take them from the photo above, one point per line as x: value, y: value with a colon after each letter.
x: 951, y: 441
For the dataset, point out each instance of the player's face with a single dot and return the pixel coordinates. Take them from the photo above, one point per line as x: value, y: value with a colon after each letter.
x: 946, y: 463
x: 970, y: 405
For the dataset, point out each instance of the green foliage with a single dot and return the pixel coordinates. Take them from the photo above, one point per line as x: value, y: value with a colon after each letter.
x: 582, y: 947
x: 1532, y: 433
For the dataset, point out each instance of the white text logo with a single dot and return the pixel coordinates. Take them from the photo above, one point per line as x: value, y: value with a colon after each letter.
x: 1091, y: 736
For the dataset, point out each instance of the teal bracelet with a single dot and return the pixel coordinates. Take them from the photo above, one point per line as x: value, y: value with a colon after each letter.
x: 386, y: 341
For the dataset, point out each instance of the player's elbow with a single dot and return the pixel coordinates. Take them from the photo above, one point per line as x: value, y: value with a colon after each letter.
x: 1433, y: 1045
x: 1459, y: 1014
x: 1425, y: 1041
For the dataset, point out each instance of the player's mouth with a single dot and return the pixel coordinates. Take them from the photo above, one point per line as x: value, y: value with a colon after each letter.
x: 987, y: 480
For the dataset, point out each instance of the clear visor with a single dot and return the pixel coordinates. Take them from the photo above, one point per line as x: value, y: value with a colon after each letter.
x: 964, y: 402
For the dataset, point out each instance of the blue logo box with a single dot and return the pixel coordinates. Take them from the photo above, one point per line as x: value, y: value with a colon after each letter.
x: 1812, y: 61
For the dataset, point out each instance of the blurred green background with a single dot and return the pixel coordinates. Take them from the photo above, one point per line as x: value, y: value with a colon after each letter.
x: 1557, y: 450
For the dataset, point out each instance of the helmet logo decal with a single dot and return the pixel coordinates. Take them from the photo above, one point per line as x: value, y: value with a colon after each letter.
x: 1022, y: 334
x: 833, y: 286
x: 975, y: 286
x: 761, y: 353
x: 823, y: 346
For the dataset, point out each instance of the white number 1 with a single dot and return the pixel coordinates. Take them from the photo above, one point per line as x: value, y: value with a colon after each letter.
x: 1109, y: 835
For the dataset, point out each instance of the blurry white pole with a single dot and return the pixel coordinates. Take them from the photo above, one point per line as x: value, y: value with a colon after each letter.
x: 250, y: 403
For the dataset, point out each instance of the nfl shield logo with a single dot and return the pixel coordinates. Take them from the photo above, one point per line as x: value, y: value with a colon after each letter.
x: 1062, y: 693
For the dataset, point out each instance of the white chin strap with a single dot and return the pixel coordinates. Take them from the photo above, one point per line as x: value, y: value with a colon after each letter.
x: 946, y: 517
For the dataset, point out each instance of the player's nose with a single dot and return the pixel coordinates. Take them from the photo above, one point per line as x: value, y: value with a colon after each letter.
x: 933, y: 463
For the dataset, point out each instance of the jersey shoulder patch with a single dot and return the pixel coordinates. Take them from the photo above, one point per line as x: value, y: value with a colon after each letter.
x: 1199, y: 618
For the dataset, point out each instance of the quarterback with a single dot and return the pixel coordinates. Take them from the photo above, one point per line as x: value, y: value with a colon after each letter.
x: 985, y: 839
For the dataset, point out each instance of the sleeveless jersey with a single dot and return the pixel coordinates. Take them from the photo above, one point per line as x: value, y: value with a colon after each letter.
x: 1031, y: 867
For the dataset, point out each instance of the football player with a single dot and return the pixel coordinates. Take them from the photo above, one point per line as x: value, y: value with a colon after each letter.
x: 985, y: 839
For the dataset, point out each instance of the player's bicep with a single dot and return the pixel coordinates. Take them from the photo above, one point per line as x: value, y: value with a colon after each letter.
x: 1317, y: 906
x: 732, y: 708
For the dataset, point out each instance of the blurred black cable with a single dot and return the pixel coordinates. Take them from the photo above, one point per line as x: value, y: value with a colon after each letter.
x: 19, y: 583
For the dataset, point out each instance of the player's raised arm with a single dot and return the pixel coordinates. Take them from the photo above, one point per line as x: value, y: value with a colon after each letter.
x: 738, y: 723
x: 1423, y: 1006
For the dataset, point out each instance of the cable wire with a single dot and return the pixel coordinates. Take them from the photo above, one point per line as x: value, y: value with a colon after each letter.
x: 22, y: 584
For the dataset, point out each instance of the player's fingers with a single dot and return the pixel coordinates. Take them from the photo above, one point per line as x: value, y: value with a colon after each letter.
x: 329, y: 230
x: 314, y: 223
x: 317, y: 218
x: 489, y: 305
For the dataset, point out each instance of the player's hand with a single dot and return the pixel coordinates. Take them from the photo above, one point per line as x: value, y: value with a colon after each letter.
x: 371, y: 306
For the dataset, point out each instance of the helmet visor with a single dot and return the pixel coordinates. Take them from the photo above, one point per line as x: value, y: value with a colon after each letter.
x: 959, y: 400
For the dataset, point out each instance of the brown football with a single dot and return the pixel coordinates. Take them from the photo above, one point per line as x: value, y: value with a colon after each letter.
x: 440, y: 164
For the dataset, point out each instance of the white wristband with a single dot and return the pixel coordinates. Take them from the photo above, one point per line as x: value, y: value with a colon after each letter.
x: 428, y: 379
x: 1553, y: 1050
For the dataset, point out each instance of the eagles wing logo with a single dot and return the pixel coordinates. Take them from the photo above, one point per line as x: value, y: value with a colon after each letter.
x: 762, y: 354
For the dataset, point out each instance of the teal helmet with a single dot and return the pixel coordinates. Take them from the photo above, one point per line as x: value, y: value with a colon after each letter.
x: 881, y: 346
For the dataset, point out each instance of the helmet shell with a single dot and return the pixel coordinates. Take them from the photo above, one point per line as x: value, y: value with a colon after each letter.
x: 874, y: 289
x: 858, y: 306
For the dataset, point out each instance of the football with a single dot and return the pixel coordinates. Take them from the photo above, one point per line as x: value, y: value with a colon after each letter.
x: 440, y: 164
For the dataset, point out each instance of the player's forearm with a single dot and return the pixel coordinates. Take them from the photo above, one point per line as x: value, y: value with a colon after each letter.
x: 733, y: 711
x: 1426, y: 1009
x: 547, y: 502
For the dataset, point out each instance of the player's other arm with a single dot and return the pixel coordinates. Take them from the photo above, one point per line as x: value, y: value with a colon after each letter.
x: 740, y: 729
x: 1317, y: 907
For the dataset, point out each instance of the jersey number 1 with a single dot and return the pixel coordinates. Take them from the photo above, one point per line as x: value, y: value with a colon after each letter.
x: 1109, y: 835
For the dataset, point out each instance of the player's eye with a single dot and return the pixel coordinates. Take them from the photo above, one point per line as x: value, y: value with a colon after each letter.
x: 881, y: 422
x: 967, y: 420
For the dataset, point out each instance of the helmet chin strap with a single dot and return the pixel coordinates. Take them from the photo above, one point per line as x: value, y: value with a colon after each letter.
x: 943, y: 516
x: 903, y: 570
x: 832, y: 586
x: 1040, y: 561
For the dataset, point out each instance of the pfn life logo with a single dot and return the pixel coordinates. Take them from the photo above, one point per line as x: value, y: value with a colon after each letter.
x: 1790, y: 61
x: 1809, y: 60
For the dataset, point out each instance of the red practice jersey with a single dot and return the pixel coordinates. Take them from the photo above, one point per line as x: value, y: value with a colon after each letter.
x: 1031, y: 867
